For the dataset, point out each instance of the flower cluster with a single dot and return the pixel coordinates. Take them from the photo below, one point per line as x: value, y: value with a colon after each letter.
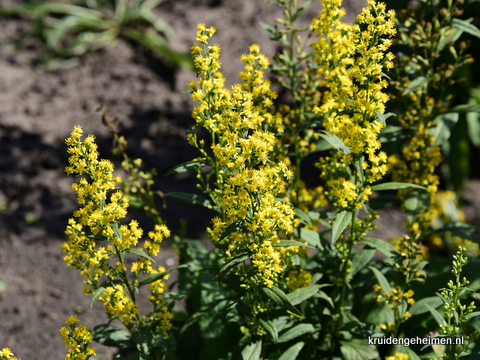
x: 411, y: 259
x: 398, y: 356
x: 398, y: 301
x: 6, y: 354
x: 297, y: 279
x: 422, y: 86
x: 77, y: 340
x: 248, y: 183
x: 98, y: 220
x: 352, y: 59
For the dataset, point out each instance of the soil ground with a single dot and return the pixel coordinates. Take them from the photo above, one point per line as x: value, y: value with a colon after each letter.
x: 38, y: 110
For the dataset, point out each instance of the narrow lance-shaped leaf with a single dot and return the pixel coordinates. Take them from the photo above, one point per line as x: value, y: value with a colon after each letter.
x: 252, y: 351
x: 466, y: 26
x: 279, y: 297
x: 396, y: 186
x: 187, y: 166
x: 99, y: 292
x: 419, y: 82
x: 335, y: 141
x: 193, y: 199
x: 382, y: 280
x: 436, y: 315
x: 299, y: 295
x: 341, y: 221
x: 383, y: 117
x: 270, y: 329
x: 295, y: 332
x: 154, y: 277
x: 292, y: 352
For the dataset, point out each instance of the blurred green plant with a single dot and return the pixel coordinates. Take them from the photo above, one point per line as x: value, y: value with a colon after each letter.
x: 71, y: 28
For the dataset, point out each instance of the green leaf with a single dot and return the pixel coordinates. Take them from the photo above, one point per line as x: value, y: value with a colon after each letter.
x: 99, y: 292
x: 335, y: 141
x: 311, y: 237
x: 303, y: 216
x: 270, y: 29
x: 295, y: 332
x: 232, y: 263
x: 252, y: 351
x: 193, y: 199
x: 154, y: 277
x: 300, y: 10
x: 393, y: 133
x: 361, y: 259
x: 443, y: 129
x: 419, y: 82
x: 449, y: 34
x: 420, y: 308
x: 237, y: 225
x: 380, y: 245
x: 358, y: 349
x: 270, y: 329
x: 140, y: 253
x: 117, y: 231
x: 279, y: 297
x: 287, y: 243
x: 473, y: 122
x: 383, y: 117
x: 436, y: 315
x: 462, y: 230
x: 324, y: 296
x: 110, y: 335
x: 395, y: 186
x: 300, y: 295
x: 465, y: 26
x: 341, y: 221
x: 466, y: 108
x: 292, y: 352
x: 415, y: 203
x: 187, y: 166
x: 382, y: 280
x: 473, y: 314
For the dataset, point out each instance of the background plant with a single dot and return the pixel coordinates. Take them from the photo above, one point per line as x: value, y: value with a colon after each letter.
x: 71, y: 28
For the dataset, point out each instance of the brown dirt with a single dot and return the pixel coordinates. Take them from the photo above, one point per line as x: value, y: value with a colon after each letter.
x: 38, y: 110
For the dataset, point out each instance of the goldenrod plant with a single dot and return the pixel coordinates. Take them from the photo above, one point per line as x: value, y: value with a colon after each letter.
x: 293, y: 272
x: 430, y: 54
x: 71, y: 28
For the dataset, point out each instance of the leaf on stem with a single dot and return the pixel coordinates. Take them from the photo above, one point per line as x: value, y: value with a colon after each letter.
x: 99, y: 292
x: 154, y: 277
x: 193, y: 199
x: 279, y: 297
x: 335, y: 141
x: 287, y: 243
x: 341, y: 221
x: 382, y: 280
x: 270, y: 329
x: 295, y: 332
x: 140, y: 253
x: 252, y: 351
x: 380, y: 245
x: 232, y: 263
x: 466, y: 26
x: 292, y: 352
x: 300, y: 295
x: 383, y: 117
x: 396, y: 186
x: 419, y: 82
x: 187, y: 166
x: 436, y: 315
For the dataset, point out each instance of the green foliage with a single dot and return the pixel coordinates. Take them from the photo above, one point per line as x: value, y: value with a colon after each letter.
x: 291, y: 272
